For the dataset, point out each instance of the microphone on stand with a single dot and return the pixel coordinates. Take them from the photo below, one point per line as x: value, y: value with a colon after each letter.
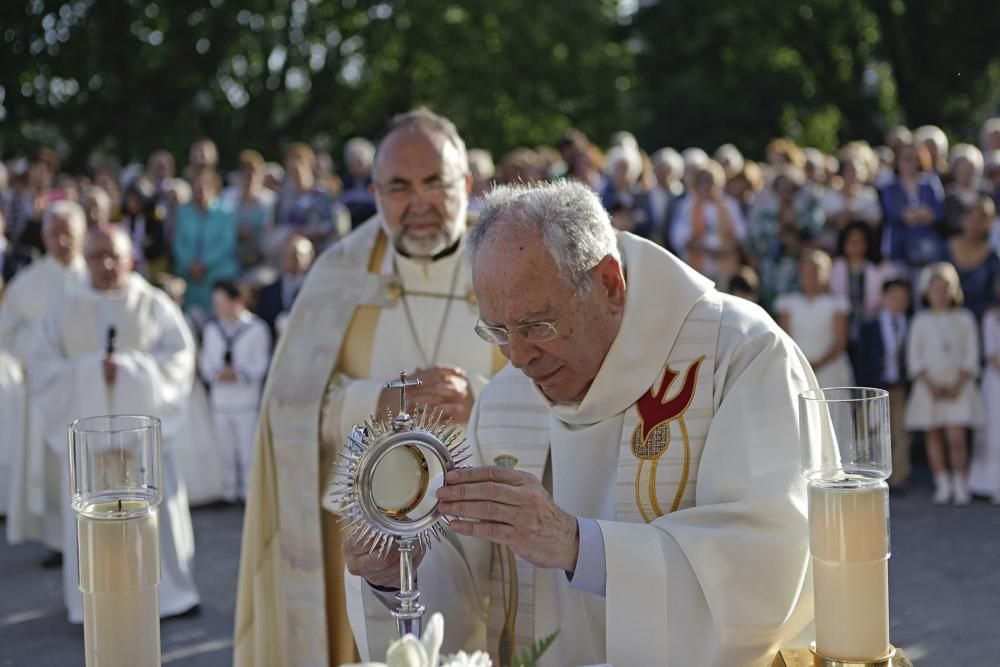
x: 227, y: 358
x: 111, y: 341
x: 109, y: 349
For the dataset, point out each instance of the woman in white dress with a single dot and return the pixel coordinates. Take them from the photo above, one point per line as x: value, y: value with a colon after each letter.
x: 943, y: 362
x: 984, y: 474
x: 817, y: 320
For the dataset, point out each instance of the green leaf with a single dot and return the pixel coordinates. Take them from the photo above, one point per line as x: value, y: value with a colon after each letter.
x: 530, y: 656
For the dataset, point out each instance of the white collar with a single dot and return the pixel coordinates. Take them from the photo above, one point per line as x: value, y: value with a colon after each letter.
x: 647, y: 334
x: 420, y: 267
x: 242, y: 320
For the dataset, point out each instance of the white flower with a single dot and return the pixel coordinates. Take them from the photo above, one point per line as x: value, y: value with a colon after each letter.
x: 433, y: 637
x: 462, y: 659
x: 410, y: 652
x: 407, y: 652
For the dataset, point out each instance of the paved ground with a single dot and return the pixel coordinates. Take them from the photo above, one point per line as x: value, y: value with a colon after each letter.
x: 945, y: 592
x: 34, y: 631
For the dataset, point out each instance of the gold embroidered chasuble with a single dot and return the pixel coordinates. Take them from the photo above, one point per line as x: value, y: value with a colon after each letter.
x: 290, y: 608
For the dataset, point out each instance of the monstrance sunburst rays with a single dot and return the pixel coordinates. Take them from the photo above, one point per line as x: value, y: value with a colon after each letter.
x: 362, y: 520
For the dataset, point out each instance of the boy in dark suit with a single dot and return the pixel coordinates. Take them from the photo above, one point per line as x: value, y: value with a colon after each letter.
x: 880, y: 361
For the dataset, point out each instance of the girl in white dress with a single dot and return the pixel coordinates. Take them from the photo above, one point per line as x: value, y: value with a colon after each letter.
x: 984, y: 474
x: 943, y: 362
x: 817, y: 320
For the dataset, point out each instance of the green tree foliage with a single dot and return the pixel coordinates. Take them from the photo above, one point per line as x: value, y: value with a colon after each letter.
x: 820, y: 71
x: 747, y: 72
x: 945, y: 58
x: 123, y: 77
x: 128, y: 76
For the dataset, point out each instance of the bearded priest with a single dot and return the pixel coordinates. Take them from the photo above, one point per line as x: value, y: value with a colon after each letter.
x: 395, y: 294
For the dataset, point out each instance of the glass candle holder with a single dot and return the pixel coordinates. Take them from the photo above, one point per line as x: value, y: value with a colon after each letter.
x: 846, y: 458
x: 115, y: 489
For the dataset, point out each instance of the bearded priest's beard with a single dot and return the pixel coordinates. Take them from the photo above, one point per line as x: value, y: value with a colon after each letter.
x: 424, y: 246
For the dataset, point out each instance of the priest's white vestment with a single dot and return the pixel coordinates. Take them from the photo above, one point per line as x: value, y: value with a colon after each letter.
x: 154, y: 356
x: 364, y: 313
x: 685, y: 450
x: 30, y: 490
x: 13, y: 416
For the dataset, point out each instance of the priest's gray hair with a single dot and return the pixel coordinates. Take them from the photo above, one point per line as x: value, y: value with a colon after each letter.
x: 425, y: 119
x: 573, y: 224
x: 70, y: 211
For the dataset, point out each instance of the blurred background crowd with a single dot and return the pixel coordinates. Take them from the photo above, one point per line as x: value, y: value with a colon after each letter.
x: 862, y: 215
x: 831, y: 244
x: 845, y: 242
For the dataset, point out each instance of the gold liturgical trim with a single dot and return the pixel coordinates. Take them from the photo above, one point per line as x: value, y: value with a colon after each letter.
x: 507, y: 643
x: 354, y: 361
x: 803, y: 657
x: 646, y: 497
x: 652, y: 437
x: 356, y: 350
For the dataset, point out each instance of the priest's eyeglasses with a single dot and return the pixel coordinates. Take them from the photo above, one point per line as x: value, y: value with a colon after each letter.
x: 432, y: 188
x: 532, y: 332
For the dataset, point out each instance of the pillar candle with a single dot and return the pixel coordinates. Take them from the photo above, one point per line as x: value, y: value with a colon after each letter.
x: 119, y: 547
x: 849, y: 545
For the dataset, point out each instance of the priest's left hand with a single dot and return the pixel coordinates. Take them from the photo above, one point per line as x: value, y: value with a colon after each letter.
x: 513, y: 508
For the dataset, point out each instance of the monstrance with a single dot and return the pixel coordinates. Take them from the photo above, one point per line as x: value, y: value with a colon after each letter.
x: 384, y: 483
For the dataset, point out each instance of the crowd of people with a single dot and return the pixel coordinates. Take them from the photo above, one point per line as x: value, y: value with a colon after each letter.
x: 880, y: 261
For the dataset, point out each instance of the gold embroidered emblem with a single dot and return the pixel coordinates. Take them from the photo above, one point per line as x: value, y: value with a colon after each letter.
x: 651, y: 437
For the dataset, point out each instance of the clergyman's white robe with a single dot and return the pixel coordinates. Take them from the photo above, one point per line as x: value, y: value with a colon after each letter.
x: 13, y: 415
x: 685, y: 451
x: 29, y: 491
x: 155, y: 369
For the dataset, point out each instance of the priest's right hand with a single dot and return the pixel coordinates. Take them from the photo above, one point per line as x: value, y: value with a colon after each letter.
x: 109, y: 369
x: 445, y: 387
x: 377, y: 571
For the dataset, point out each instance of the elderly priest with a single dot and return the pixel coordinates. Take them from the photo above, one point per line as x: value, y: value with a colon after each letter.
x: 654, y: 513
